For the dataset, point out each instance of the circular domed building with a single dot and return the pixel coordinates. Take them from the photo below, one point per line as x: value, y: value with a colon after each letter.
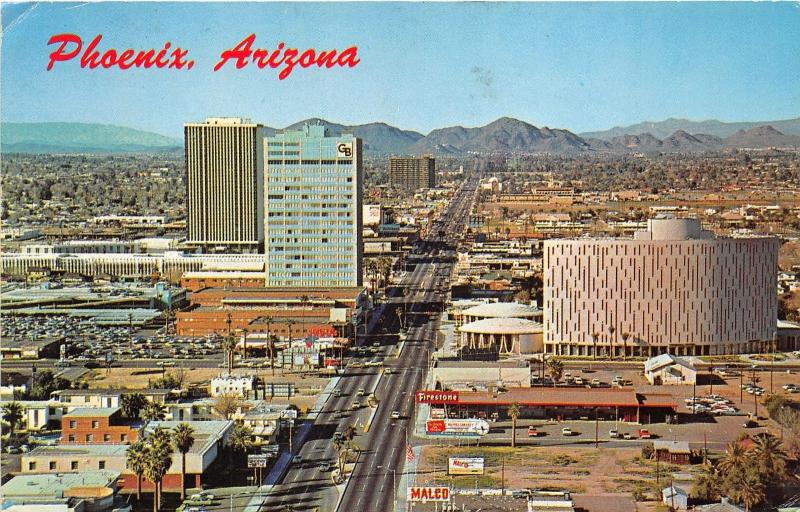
x: 489, y: 338
x: 502, y: 310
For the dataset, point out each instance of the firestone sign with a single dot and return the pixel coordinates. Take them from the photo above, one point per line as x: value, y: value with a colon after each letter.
x: 428, y: 494
x: 437, y: 397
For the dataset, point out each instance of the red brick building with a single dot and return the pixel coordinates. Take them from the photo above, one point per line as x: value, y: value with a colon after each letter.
x: 101, y: 425
x: 218, y: 310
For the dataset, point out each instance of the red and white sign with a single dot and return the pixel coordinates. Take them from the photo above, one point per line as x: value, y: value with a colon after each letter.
x: 436, y: 397
x: 428, y: 494
x: 452, y: 427
x: 465, y: 465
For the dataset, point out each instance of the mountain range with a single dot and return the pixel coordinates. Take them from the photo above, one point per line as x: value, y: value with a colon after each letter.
x: 505, y: 135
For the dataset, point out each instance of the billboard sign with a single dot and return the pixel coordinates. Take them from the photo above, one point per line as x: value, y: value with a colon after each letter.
x: 465, y: 465
x: 453, y: 427
x: 424, y: 494
x: 436, y: 397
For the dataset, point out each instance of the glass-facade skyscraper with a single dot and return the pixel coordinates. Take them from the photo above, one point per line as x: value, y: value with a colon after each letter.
x: 313, y: 208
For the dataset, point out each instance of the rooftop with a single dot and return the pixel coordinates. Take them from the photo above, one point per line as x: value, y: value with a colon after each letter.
x: 52, y: 485
x: 206, y: 433
x: 109, y: 450
x: 503, y: 310
x: 91, y: 412
x: 502, y: 326
x: 565, y: 397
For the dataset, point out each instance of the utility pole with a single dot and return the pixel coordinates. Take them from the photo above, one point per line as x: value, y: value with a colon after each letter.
x: 596, y: 429
x: 503, y: 477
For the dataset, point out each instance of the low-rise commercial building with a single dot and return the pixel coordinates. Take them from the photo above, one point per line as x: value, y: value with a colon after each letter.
x: 494, y: 337
x: 87, y: 491
x: 667, y: 369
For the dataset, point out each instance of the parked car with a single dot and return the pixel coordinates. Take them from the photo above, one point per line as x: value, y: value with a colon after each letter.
x: 613, y: 433
x: 644, y: 434
x: 627, y: 435
x: 532, y: 432
x: 566, y: 431
x: 750, y: 424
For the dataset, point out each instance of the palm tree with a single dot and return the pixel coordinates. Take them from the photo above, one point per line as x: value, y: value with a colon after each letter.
x: 132, y: 404
x: 611, y: 331
x: 735, y: 456
x: 183, y: 435
x: 707, y: 485
x: 12, y: 414
x: 513, y: 412
x: 555, y: 367
x: 290, y: 323
x: 271, y: 342
x: 136, y: 461
x: 595, y: 337
x: 244, y: 343
x: 746, y: 487
x: 769, y: 456
x: 229, y: 346
x: 305, y: 300
x: 154, y: 411
x: 338, y: 444
x: 625, y: 336
x: 158, y: 461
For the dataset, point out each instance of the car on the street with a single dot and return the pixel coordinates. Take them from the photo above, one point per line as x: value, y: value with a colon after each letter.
x: 297, y: 459
x: 395, y: 415
x: 326, y: 466
x: 578, y: 381
x: 644, y: 434
x: 361, y: 392
x: 595, y: 383
x: 613, y: 433
x: 566, y: 431
x: 627, y: 435
x: 355, y: 405
x: 533, y: 432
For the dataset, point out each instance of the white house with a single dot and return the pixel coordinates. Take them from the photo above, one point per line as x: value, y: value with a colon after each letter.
x: 237, y: 385
x: 668, y: 369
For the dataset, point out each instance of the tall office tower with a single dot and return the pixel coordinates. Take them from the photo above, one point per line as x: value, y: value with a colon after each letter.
x: 225, y: 185
x: 313, y: 209
x: 412, y: 173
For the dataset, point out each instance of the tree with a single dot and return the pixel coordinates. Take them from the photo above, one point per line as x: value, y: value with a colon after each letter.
x: 241, y: 438
x: 226, y: 405
x: 229, y: 347
x: 625, y: 336
x: 44, y: 383
x: 513, y: 412
x: 555, y: 368
x: 735, y: 456
x: 271, y: 342
x: 136, y: 461
x: 305, y: 300
x: 158, y: 460
x: 595, y: 337
x: 743, y: 485
x: 706, y: 485
x: 154, y: 411
x: 290, y: 324
x: 611, y: 331
x: 12, y: 414
x: 770, y: 459
x: 132, y: 404
x: 183, y: 436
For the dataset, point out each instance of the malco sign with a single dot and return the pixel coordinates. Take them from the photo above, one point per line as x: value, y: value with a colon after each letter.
x: 428, y: 494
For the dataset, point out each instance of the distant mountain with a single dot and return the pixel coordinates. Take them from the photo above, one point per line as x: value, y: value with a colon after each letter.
x: 504, y: 135
x: 663, y: 129
x: 379, y: 138
x: 81, y: 138
x: 762, y: 137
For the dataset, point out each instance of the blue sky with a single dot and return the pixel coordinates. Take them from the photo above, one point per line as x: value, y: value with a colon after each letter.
x: 423, y: 65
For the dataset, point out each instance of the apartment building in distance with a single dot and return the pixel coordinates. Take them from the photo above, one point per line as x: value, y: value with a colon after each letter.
x: 410, y: 174
x: 313, y: 219
x: 225, y: 185
x: 673, y: 288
